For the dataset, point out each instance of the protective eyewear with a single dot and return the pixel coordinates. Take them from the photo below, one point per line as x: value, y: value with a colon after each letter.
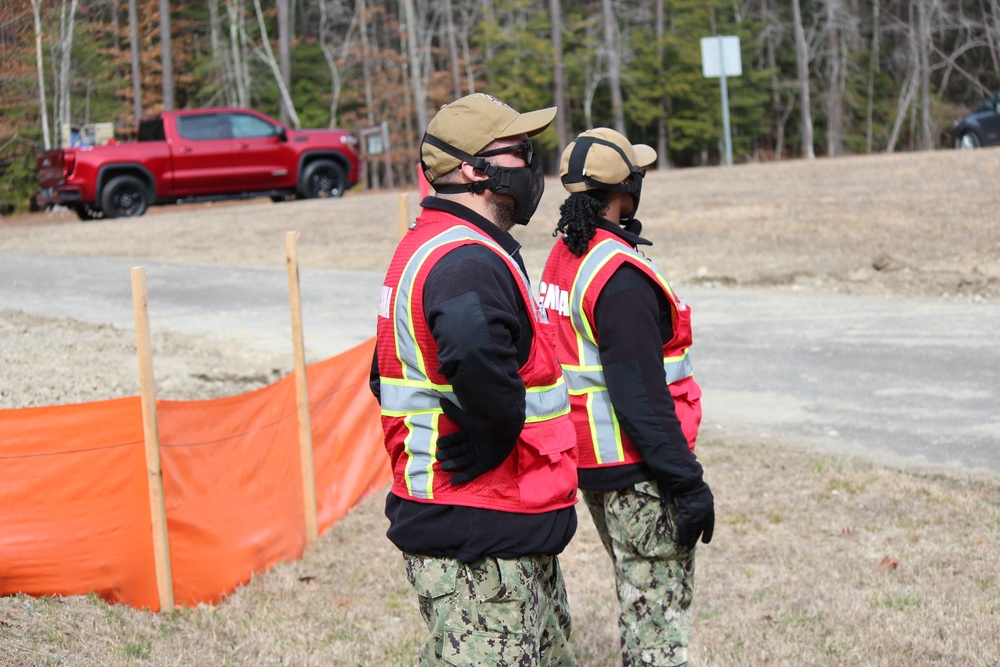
x: 524, y: 148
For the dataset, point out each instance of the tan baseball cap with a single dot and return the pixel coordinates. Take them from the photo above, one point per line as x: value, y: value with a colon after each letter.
x: 601, y: 161
x: 472, y: 123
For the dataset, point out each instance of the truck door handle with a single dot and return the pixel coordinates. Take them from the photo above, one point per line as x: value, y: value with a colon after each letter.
x: 242, y: 147
x: 184, y: 149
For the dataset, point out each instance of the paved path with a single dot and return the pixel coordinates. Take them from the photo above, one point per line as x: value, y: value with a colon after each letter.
x: 903, y: 382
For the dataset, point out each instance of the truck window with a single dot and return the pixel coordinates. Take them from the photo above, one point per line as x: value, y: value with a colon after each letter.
x: 203, y: 127
x: 151, y: 129
x: 245, y: 126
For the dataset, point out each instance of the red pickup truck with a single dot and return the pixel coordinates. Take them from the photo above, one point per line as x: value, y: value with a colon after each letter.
x: 198, y: 154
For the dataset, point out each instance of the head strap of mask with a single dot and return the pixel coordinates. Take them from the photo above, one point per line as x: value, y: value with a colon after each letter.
x: 576, y: 171
x: 498, y: 178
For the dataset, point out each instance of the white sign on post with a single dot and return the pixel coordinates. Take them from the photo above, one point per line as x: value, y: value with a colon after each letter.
x: 719, y: 51
x: 720, y: 57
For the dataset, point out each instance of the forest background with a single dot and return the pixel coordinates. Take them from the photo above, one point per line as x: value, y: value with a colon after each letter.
x: 820, y: 77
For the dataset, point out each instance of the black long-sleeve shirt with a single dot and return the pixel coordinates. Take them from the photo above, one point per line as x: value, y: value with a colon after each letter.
x: 483, y: 331
x: 632, y: 318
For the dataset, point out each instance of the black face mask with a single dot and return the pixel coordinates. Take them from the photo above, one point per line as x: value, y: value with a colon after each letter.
x: 524, y: 184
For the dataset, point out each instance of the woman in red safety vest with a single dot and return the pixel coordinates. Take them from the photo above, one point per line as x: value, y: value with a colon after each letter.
x: 623, y: 339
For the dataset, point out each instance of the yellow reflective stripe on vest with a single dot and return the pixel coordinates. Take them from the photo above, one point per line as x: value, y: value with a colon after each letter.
x: 587, y: 378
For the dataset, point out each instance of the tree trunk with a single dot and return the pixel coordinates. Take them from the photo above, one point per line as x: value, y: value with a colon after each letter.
x: 42, y: 102
x: 366, y: 60
x: 559, y: 74
x: 267, y: 55
x: 449, y: 24
x: 834, y: 99
x: 238, y: 51
x: 133, y: 37
x: 416, y: 71
x: 285, y: 53
x: 662, y: 159
x: 872, y: 70
x: 614, y: 65
x: 924, y: 48
x: 802, y: 61
x: 331, y: 63
x: 906, y: 95
x: 67, y: 25
x: 166, y: 56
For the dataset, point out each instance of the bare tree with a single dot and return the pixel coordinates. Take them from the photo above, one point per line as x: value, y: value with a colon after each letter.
x: 166, y: 56
x: 417, y: 84
x: 924, y: 46
x: 662, y: 159
x: 449, y: 25
x: 802, y: 62
x: 238, y: 47
x: 42, y: 102
x: 834, y: 93
x: 614, y: 65
x: 559, y: 74
x: 361, y: 11
x: 285, y: 53
x: 346, y: 41
x: 67, y: 22
x: 872, y: 70
x: 266, y: 54
x: 133, y: 36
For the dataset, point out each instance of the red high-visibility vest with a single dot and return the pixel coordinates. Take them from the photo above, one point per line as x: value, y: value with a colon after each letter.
x: 568, y: 291
x: 540, y: 473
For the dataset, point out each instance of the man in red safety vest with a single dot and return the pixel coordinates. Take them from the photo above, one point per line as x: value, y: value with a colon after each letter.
x: 474, y: 406
x: 623, y: 338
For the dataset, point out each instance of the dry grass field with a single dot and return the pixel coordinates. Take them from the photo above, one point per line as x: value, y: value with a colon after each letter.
x: 817, y: 559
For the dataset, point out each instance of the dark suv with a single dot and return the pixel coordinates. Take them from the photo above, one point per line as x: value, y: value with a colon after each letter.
x: 980, y: 127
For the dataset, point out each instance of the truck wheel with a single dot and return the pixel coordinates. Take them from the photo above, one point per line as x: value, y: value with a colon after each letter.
x: 322, y: 179
x: 968, y: 140
x: 124, y: 197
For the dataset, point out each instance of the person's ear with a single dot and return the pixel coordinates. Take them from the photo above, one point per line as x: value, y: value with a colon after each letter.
x: 471, y: 173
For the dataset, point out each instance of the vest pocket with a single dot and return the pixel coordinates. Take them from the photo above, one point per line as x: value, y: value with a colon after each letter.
x: 546, y: 465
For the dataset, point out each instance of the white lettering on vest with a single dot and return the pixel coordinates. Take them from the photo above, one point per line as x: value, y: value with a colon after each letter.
x: 385, y: 301
x: 553, y: 297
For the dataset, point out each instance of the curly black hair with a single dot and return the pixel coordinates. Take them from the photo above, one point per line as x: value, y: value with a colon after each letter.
x: 578, y: 218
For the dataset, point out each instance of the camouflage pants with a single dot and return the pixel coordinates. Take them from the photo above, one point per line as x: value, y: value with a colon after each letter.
x: 495, y: 612
x: 654, y: 575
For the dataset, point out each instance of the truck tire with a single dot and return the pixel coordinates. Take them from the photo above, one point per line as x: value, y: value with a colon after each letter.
x: 124, y: 197
x: 322, y: 179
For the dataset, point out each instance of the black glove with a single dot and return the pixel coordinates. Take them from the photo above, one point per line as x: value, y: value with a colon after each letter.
x: 695, y: 515
x: 472, y: 450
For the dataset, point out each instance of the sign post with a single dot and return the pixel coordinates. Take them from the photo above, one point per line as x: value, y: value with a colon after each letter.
x: 720, y: 57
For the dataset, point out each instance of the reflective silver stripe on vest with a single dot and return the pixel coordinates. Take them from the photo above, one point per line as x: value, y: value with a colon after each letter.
x: 421, y: 428
x: 588, y: 377
x: 403, y: 398
x: 415, y: 398
x: 541, y: 403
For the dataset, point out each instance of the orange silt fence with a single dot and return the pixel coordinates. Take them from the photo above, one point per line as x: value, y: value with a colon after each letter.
x: 74, y: 499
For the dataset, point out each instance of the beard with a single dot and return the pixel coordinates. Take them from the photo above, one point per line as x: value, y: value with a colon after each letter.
x: 502, y: 208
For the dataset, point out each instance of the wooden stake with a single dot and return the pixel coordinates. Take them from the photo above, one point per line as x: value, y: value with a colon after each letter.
x: 301, y: 391
x: 151, y: 433
x: 404, y: 215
